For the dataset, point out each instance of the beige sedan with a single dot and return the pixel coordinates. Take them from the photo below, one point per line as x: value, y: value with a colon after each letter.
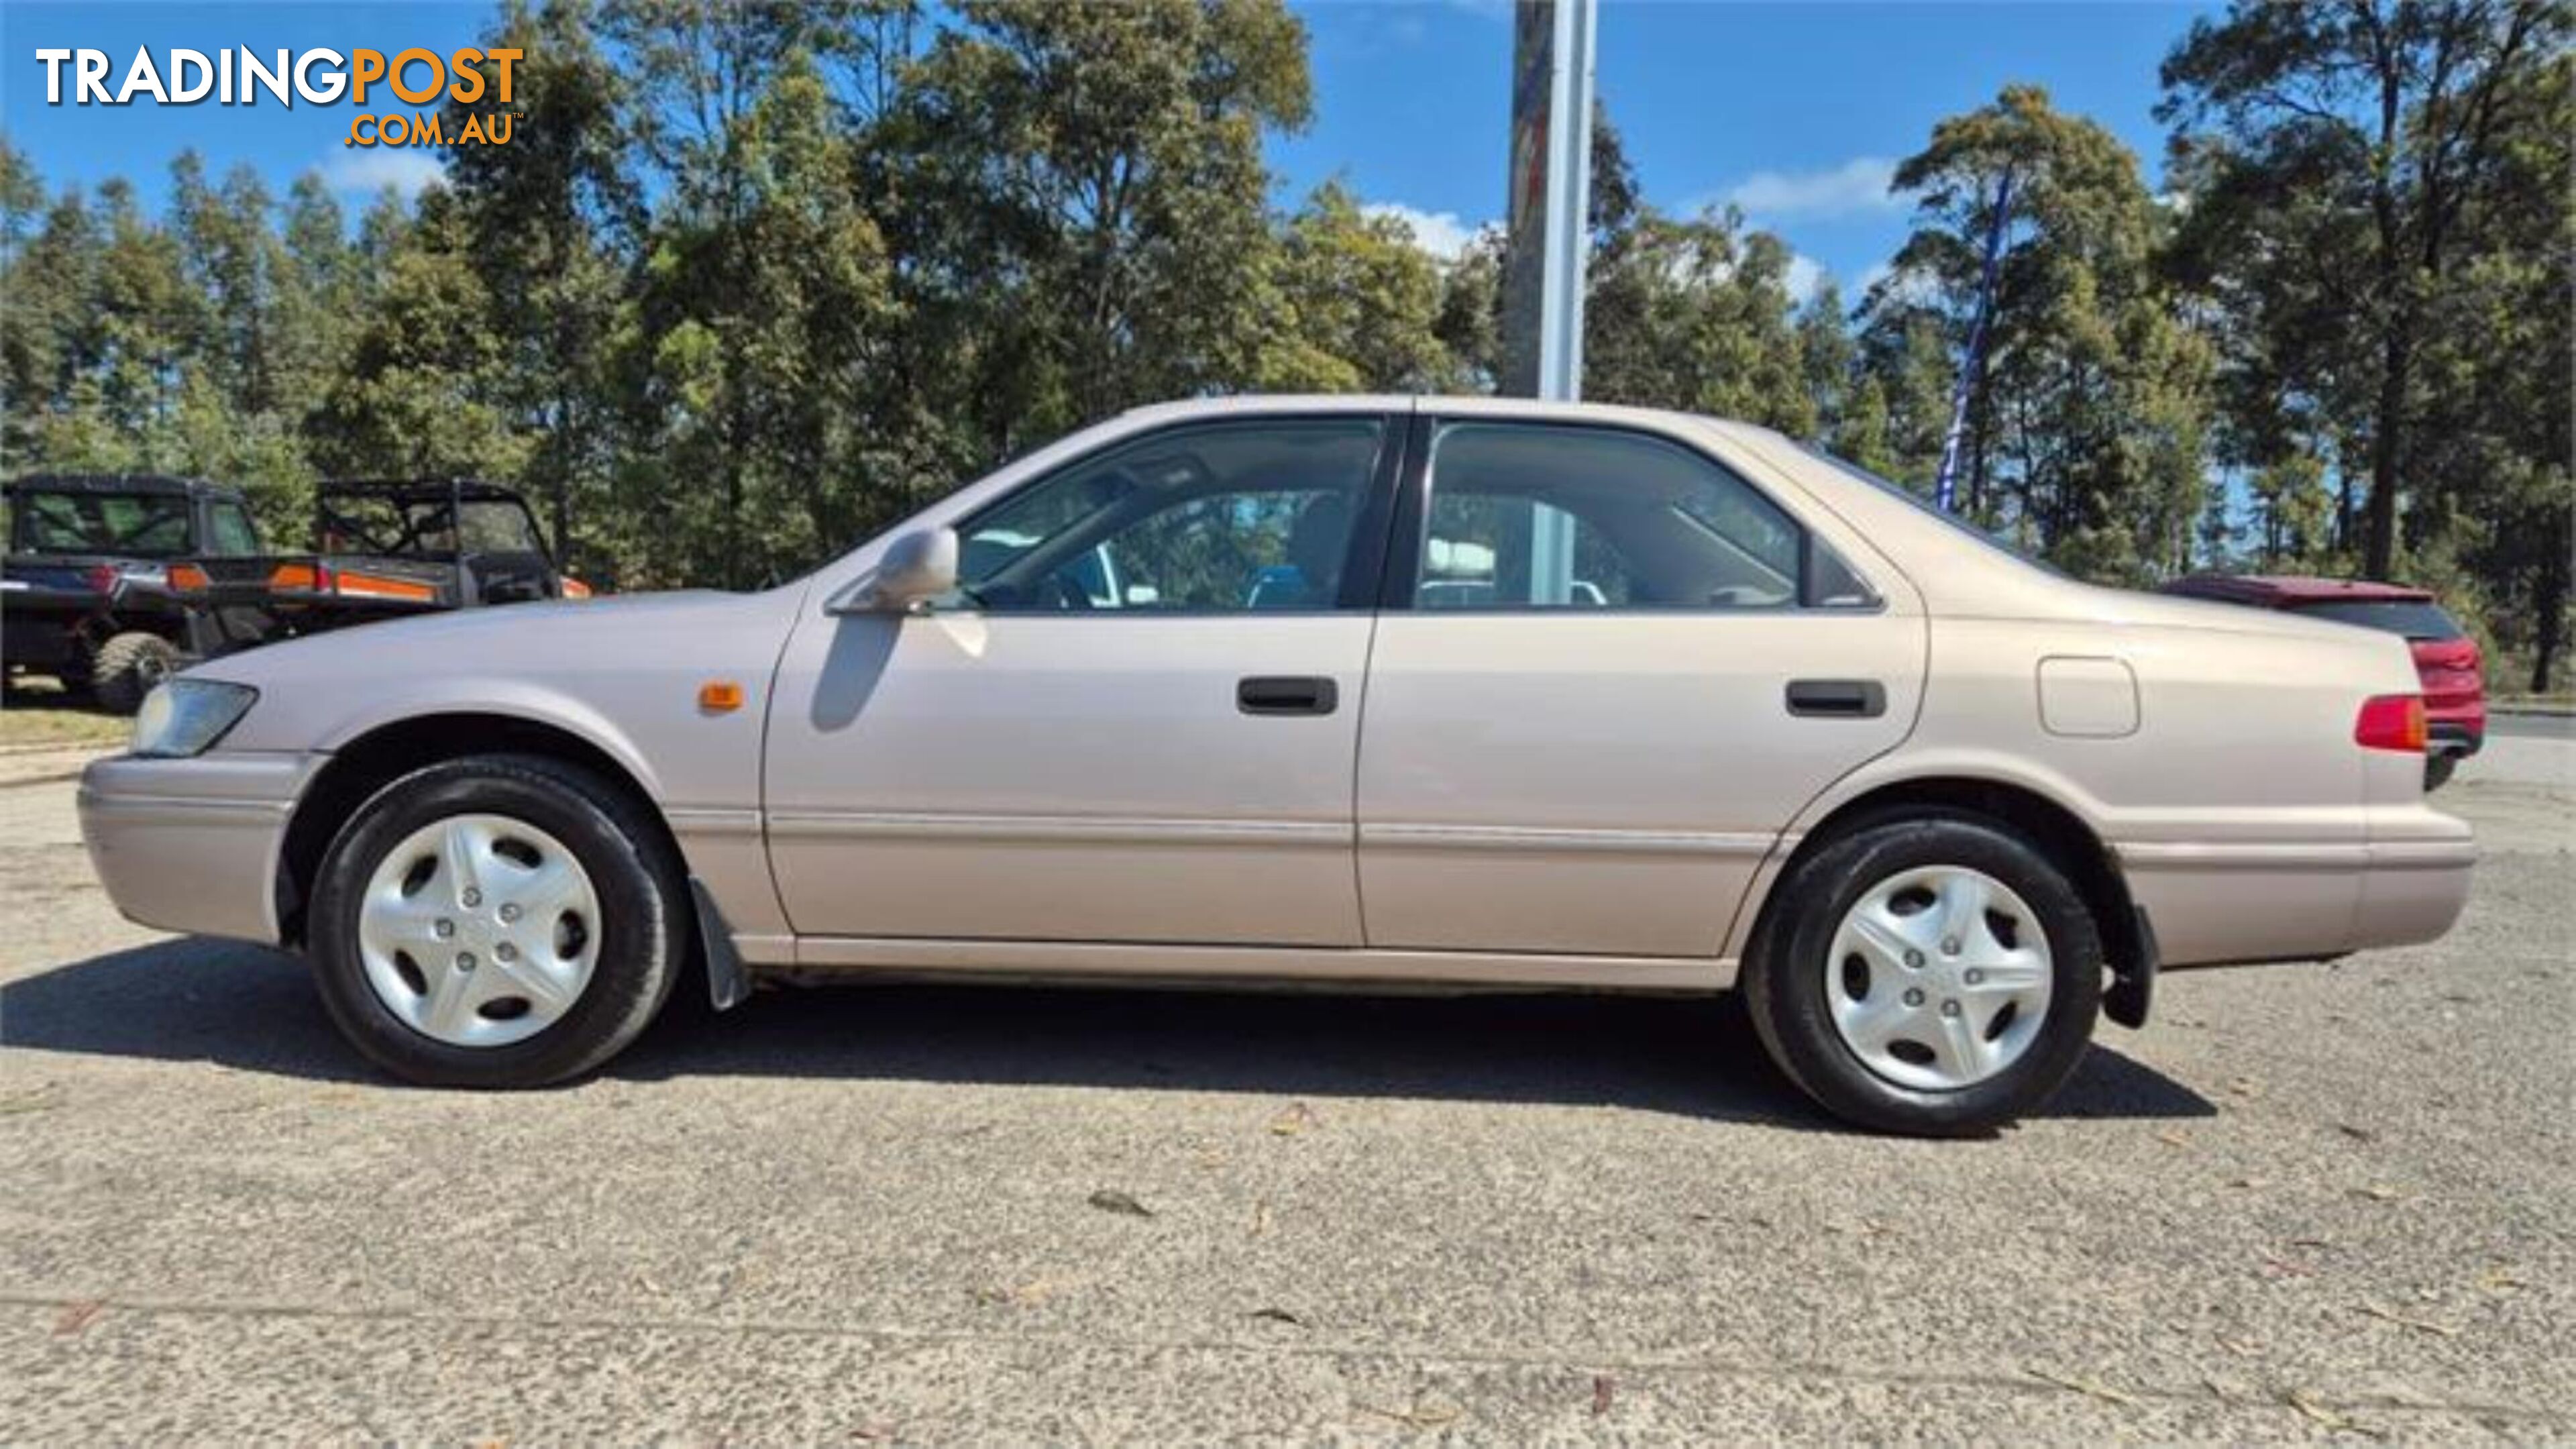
x: 1386, y: 692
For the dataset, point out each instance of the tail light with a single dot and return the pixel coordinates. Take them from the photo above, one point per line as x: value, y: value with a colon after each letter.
x: 187, y: 579
x: 2391, y: 722
x: 101, y: 578
x: 574, y: 588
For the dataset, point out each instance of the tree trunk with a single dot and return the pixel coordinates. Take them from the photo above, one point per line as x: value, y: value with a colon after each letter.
x: 2549, y: 603
x: 2387, y: 457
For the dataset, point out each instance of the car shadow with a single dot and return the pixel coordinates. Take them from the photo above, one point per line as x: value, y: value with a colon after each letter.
x: 255, y: 1010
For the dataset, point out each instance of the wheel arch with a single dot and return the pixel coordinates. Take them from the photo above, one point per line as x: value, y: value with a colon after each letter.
x: 2061, y: 832
x: 376, y: 757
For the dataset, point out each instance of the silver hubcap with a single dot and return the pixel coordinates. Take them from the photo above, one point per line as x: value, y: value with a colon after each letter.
x: 1939, y: 978
x: 479, y: 930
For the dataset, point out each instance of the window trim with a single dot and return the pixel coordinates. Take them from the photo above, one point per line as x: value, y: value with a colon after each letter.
x: 1402, y: 577
x: 1364, y: 558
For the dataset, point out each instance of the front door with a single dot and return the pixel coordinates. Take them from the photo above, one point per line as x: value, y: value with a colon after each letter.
x: 1137, y: 719
x: 1610, y: 672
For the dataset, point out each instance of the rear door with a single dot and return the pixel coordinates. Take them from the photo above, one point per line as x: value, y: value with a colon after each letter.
x: 1609, y: 671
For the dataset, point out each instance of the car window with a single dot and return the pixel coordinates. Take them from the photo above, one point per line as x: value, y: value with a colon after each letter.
x: 1530, y: 516
x: 2414, y: 618
x: 229, y: 534
x: 1226, y: 518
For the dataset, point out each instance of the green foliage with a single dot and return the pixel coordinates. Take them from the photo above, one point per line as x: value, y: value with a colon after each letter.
x: 2086, y: 427
x: 2379, y: 232
x: 755, y: 278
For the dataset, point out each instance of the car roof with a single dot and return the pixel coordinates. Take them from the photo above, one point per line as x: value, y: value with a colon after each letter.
x: 2289, y: 590
x: 159, y: 484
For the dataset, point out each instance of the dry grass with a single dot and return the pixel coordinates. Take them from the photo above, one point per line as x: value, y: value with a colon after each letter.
x: 33, y: 716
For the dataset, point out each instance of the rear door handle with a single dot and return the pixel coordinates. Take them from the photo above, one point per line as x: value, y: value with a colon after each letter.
x: 1286, y: 694
x: 1837, y: 698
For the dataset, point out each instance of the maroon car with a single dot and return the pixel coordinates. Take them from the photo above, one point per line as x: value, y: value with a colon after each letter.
x: 2446, y: 658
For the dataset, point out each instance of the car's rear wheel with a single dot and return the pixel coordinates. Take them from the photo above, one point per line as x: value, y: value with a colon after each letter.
x: 2437, y: 771
x: 127, y: 666
x: 497, y: 921
x: 1934, y: 975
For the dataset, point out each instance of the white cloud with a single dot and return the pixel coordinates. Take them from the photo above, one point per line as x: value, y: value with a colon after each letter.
x: 374, y: 168
x: 1877, y: 273
x: 1855, y: 187
x: 1806, y: 276
x: 1440, y: 233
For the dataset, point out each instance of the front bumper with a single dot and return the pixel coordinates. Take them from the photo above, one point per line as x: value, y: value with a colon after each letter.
x: 193, y: 845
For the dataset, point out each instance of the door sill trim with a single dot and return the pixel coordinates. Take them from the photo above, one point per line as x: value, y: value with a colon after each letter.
x: 825, y: 956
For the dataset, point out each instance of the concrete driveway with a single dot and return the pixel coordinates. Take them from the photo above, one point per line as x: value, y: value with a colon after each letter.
x: 2308, y: 1200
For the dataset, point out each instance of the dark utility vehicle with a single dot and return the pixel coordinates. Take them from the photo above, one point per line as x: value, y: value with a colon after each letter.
x: 381, y: 550
x: 85, y: 595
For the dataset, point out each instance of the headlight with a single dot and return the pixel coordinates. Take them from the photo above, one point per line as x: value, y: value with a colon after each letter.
x: 183, y: 717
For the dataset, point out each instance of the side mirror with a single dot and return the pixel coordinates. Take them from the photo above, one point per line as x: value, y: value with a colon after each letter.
x: 918, y: 566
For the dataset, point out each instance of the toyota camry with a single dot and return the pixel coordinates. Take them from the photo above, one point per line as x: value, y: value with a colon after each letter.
x: 1388, y: 693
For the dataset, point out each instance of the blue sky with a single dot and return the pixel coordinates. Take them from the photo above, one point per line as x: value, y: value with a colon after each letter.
x: 1793, y: 110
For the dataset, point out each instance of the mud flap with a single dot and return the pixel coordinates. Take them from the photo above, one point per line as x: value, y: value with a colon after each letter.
x: 2133, y: 975
x: 727, y: 983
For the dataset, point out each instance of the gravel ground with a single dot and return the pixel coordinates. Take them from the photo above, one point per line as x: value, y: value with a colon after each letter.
x: 2307, y: 1201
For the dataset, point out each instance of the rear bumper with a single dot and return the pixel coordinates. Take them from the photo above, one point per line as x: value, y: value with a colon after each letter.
x: 193, y: 845
x: 2216, y: 904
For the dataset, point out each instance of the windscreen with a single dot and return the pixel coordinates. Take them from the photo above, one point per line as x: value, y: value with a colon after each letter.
x: 2414, y: 618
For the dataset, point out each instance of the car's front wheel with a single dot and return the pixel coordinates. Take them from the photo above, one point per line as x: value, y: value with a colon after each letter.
x: 497, y: 921
x: 1935, y: 975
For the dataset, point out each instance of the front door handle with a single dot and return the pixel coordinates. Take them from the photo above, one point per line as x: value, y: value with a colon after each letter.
x: 1286, y: 694
x: 1837, y: 698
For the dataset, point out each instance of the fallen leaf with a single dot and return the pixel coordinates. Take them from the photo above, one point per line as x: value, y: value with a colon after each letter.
x: 2324, y: 1417
x: 76, y: 1316
x: 2104, y: 1392
x: 2251, y: 1182
x: 2312, y: 1242
x: 2239, y: 1347
x: 1602, y: 1388
x: 2357, y: 1134
x: 1277, y: 1315
x: 2420, y: 1325
x: 1261, y: 1218
x: 2173, y: 1139
x: 38, y: 1099
x: 1111, y: 1200
x: 2498, y: 1279
x: 2378, y: 1193
x: 2245, y: 1087
x: 1298, y: 1119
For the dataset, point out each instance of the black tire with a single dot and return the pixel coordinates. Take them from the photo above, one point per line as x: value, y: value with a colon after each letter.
x: 643, y: 901
x: 2437, y: 771
x: 1786, y: 981
x: 127, y: 666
